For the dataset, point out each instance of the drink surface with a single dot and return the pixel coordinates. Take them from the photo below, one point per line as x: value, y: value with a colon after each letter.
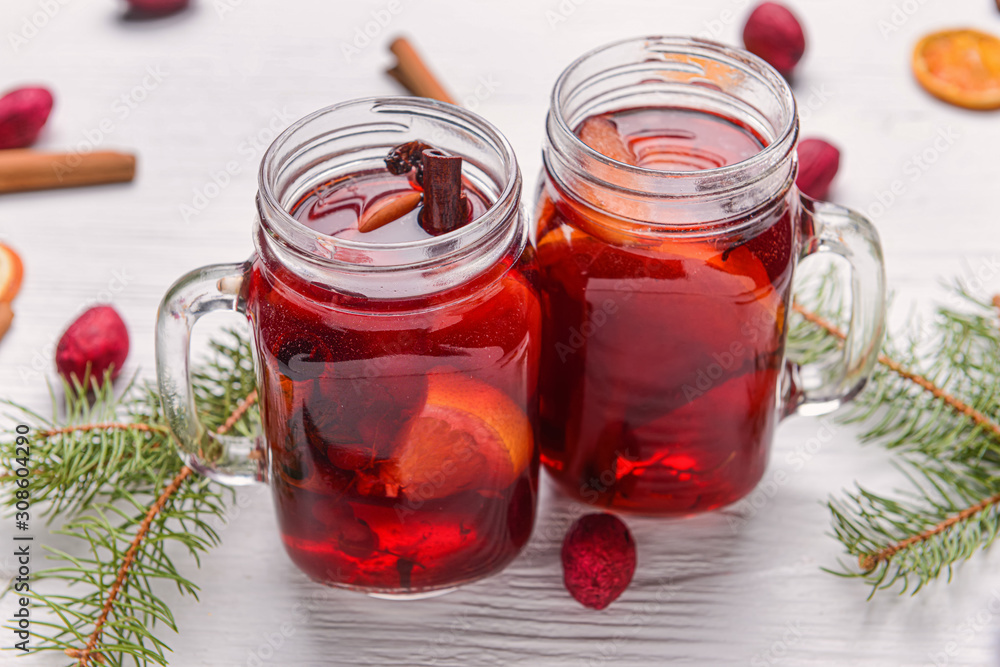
x: 662, y: 353
x: 400, y: 442
x: 683, y: 139
x: 334, y: 208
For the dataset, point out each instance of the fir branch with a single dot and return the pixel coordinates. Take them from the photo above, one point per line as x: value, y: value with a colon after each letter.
x: 869, y: 562
x: 937, y: 392
x: 107, y: 426
x: 238, y: 413
x: 109, y: 468
x: 84, y: 656
x: 938, y: 411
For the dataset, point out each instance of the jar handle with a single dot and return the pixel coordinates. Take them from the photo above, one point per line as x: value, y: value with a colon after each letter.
x: 820, y: 388
x: 223, y: 458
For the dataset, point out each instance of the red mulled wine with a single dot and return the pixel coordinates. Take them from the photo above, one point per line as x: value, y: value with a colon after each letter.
x: 662, y: 353
x: 400, y: 432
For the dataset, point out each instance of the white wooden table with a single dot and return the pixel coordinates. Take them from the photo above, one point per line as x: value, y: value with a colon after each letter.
x: 197, y: 91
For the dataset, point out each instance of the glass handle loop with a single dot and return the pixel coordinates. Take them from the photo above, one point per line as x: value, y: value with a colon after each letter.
x: 822, y: 388
x: 227, y: 459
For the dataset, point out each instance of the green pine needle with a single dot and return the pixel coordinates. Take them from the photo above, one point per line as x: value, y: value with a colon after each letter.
x: 101, y: 483
x: 948, y: 511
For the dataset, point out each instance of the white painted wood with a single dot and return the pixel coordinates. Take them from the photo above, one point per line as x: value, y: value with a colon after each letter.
x: 709, y: 590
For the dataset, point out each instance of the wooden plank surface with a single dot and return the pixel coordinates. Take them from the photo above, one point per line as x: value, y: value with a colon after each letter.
x: 202, y: 91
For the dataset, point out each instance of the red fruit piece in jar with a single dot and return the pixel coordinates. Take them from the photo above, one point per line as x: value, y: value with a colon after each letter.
x: 598, y: 559
x: 23, y: 113
x: 95, y: 342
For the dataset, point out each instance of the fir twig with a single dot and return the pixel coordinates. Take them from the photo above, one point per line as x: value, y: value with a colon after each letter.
x: 869, y: 562
x: 106, y: 426
x: 238, y: 413
x: 938, y: 411
x: 87, y: 653
x: 897, y: 368
x: 110, y: 468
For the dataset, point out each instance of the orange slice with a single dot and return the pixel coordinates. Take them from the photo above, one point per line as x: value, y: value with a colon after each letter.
x: 602, y: 135
x: 468, y: 436
x: 961, y: 67
x: 11, y: 272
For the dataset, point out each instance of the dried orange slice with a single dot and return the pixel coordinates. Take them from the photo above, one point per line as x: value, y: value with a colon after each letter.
x: 11, y: 272
x: 468, y: 436
x: 961, y: 67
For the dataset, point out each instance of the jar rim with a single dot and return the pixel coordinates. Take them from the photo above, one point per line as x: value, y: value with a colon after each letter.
x: 280, y: 152
x: 767, y: 159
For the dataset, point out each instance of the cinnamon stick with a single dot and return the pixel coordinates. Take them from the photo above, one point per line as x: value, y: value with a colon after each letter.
x: 445, y: 205
x: 412, y: 72
x: 23, y: 170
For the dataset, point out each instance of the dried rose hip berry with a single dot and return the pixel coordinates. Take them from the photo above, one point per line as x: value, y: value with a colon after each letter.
x: 773, y: 33
x: 23, y: 113
x: 157, y: 7
x: 598, y: 559
x: 95, y: 342
x: 818, y: 164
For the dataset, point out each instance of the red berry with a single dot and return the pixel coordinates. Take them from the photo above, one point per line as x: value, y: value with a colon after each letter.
x: 99, y: 338
x: 23, y: 113
x: 598, y: 558
x: 818, y: 164
x: 773, y: 33
x: 158, y: 7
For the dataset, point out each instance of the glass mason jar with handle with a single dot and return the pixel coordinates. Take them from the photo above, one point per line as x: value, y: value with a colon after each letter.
x: 668, y: 232
x: 396, y: 380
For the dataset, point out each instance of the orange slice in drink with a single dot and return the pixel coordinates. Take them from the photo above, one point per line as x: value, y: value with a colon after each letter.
x: 11, y: 272
x: 961, y: 67
x: 468, y: 436
x: 602, y: 135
